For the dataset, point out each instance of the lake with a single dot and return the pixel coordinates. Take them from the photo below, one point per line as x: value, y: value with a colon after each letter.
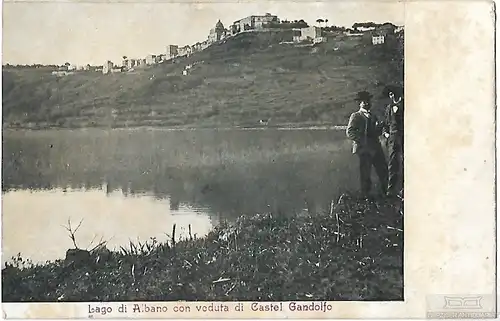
x: 135, y: 184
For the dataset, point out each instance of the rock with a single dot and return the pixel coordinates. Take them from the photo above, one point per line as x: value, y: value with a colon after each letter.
x: 77, y: 257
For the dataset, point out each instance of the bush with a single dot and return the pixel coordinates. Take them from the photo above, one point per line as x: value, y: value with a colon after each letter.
x: 354, y: 252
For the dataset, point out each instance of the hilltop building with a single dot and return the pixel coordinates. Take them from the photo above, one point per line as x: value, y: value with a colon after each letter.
x: 131, y: 63
x: 253, y: 22
x: 172, y: 51
x: 295, y: 31
x: 382, y: 34
x: 185, y: 51
x: 378, y: 39
x: 296, y: 34
x: 107, y: 67
x: 353, y: 33
x: 197, y: 47
x: 234, y: 29
x: 218, y: 33
x: 312, y: 33
x: 151, y: 59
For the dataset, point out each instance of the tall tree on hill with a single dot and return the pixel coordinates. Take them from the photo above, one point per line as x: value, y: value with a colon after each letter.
x: 319, y: 21
x: 326, y: 22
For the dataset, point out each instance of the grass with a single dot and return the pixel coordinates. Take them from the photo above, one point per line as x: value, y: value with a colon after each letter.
x: 352, y: 252
x: 237, y: 83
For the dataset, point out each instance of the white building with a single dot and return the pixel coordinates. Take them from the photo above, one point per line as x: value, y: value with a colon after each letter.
x: 353, y: 34
x: 314, y: 34
x: 311, y: 33
x: 107, y: 67
x: 172, y: 51
x: 131, y: 63
x: 364, y: 29
x: 378, y: 39
x: 150, y: 59
x: 184, y: 51
x: 319, y: 40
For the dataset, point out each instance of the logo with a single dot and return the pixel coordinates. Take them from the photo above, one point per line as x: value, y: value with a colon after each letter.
x: 462, y: 306
x: 458, y: 302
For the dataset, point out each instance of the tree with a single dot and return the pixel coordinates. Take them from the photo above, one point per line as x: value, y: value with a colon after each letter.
x: 365, y: 25
x: 319, y: 21
x: 326, y: 21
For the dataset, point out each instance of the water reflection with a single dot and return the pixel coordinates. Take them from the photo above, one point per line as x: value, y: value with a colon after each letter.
x: 217, y: 174
x: 34, y: 221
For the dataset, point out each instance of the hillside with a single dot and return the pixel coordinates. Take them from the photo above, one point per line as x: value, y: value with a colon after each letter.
x: 236, y: 83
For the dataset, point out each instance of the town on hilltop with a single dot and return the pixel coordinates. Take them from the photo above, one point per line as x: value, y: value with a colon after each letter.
x: 295, y: 32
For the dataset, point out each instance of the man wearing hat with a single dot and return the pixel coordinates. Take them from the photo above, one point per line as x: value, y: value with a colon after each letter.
x: 364, y: 131
x: 394, y: 132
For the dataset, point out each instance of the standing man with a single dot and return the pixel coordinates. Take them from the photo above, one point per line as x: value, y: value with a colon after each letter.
x: 364, y: 131
x: 394, y: 132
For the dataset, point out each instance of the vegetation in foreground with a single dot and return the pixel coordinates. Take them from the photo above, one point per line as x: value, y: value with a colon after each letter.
x: 353, y: 252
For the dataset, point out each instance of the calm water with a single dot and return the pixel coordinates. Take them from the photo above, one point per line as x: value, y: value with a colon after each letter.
x: 135, y: 184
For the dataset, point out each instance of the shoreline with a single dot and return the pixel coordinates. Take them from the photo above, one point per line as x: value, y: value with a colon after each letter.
x: 354, y: 252
x: 181, y: 128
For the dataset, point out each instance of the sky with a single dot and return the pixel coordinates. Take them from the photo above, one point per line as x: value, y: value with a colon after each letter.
x: 92, y: 32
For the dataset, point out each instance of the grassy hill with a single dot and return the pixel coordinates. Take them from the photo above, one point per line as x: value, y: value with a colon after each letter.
x: 236, y: 83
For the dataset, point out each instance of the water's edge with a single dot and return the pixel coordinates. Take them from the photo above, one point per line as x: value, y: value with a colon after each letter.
x: 163, y: 128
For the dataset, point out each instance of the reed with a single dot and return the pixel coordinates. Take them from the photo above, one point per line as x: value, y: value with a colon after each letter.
x: 352, y: 252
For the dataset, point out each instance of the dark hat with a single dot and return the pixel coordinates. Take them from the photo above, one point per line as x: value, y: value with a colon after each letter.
x: 397, y: 90
x: 363, y: 96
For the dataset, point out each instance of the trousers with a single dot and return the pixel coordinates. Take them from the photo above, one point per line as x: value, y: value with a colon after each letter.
x: 377, y: 160
x: 395, y: 150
